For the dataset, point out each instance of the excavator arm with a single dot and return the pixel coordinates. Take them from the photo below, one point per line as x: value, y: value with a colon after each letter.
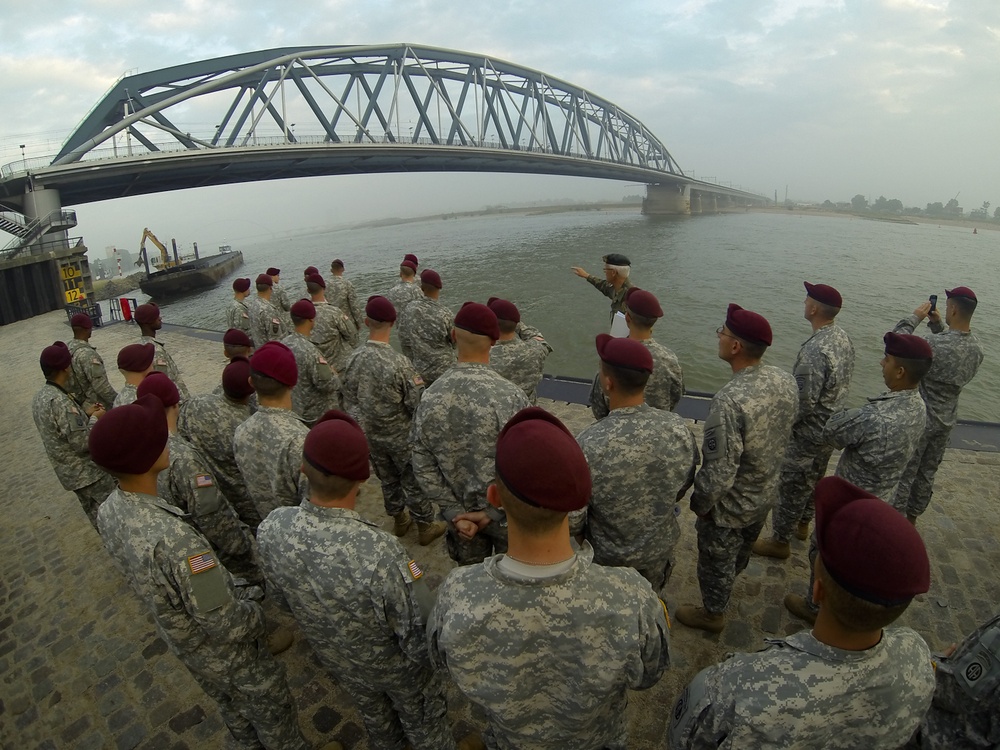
x: 165, y: 261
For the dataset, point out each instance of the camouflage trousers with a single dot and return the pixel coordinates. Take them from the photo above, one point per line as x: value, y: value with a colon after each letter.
x: 599, y: 406
x: 94, y: 494
x: 804, y: 465
x: 914, y: 491
x: 723, y: 554
x: 254, y: 700
x: 491, y: 540
x: 400, y: 489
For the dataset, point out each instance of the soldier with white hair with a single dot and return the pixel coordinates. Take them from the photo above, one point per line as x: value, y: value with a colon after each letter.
x: 615, y: 283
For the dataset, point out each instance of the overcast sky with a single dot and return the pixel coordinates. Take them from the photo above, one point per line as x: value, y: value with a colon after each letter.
x: 828, y: 97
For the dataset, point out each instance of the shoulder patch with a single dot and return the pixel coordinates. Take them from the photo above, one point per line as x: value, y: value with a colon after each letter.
x: 415, y: 570
x: 203, y: 480
x: 715, y: 438
x: 844, y: 415
x: 202, y: 562
x: 417, y: 380
x: 322, y: 360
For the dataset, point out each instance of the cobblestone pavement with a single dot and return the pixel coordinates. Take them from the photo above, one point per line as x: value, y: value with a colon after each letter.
x: 81, y: 666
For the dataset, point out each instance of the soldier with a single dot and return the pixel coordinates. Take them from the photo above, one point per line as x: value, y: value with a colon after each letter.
x: 642, y: 461
x: 268, y: 446
x: 544, y: 640
x: 280, y: 295
x: 406, y: 290
x: 170, y: 566
x: 342, y: 295
x: 88, y: 379
x: 666, y: 384
x: 425, y: 330
x: 519, y: 358
x: 237, y: 313
x: 236, y: 343
x: 878, y: 438
x: 453, y: 438
x: 333, y: 330
x: 357, y: 594
x: 209, y: 422
x: 957, y: 356
x: 381, y: 391
x: 63, y: 426
x: 135, y: 362
x: 747, y: 428
x: 848, y: 683
x: 318, y: 387
x: 822, y: 371
x: 266, y: 321
x: 148, y: 318
x: 615, y: 283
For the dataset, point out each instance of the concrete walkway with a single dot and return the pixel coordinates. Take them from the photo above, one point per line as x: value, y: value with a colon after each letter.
x: 81, y: 666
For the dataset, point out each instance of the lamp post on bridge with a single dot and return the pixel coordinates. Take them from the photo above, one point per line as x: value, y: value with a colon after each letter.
x: 24, y: 162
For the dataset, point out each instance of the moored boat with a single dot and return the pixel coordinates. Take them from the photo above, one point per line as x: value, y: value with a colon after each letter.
x: 192, y: 275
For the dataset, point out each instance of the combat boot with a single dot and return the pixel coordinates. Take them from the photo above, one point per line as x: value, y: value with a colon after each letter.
x: 700, y: 618
x: 428, y: 531
x: 280, y: 640
x: 472, y: 741
x: 799, y: 607
x: 772, y: 548
x: 802, y: 530
x: 402, y: 523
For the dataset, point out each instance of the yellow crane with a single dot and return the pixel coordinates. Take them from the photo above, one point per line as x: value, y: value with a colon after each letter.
x: 165, y: 260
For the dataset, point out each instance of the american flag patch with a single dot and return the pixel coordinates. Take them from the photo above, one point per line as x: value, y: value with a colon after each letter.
x: 201, y: 563
x: 417, y: 380
x: 322, y: 360
x: 203, y: 480
x: 415, y: 570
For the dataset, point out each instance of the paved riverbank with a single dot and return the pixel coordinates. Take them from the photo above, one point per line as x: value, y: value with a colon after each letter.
x: 81, y: 666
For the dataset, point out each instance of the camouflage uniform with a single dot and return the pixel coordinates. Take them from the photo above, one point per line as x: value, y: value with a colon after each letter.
x: 127, y: 395
x: 163, y: 362
x: 89, y: 380
x: 238, y: 315
x: 188, y: 484
x: 965, y: 713
x: 331, y: 334
x: 746, y: 431
x: 642, y: 461
x: 352, y: 589
x: 268, y: 449
x: 453, y: 443
x: 382, y: 391
x: 198, y: 612
x: 425, y: 329
x: 663, y: 389
x: 957, y: 356
x: 822, y: 371
x: 65, y: 429
x: 549, y: 655
x: 266, y: 322
x: 801, y: 693
x: 606, y: 288
x: 522, y: 362
x: 401, y: 294
x: 280, y: 300
x: 340, y: 293
x: 318, y: 387
x: 210, y: 423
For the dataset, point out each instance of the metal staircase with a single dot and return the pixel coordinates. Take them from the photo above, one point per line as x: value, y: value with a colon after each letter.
x: 26, y: 233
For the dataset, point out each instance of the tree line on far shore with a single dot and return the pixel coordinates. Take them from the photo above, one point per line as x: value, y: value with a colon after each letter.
x: 883, y: 205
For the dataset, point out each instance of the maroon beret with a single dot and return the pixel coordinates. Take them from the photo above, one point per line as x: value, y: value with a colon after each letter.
x: 81, y: 320
x: 381, y: 309
x: 275, y: 360
x: 541, y: 463
x: 310, y: 270
x: 272, y: 271
x: 867, y: 546
x: 643, y: 303
x: 304, y: 308
x: 315, y: 278
x: 960, y: 291
x: 264, y: 279
x: 241, y: 285
x: 337, y: 263
x: 825, y: 294
x: 147, y: 313
x: 129, y: 439
x: 627, y: 353
x: 236, y: 337
x: 431, y: 278
x: 747, y: 325
x: 907, y: 346
x: 336, y: 445
x: 408, y: 264
x: 504, y: 310
x: 136, y: 357
x: 478, y: 319
x: 236, y: 378
x: 56, y: 357
x: 160, y: 385
x: 411, y: 257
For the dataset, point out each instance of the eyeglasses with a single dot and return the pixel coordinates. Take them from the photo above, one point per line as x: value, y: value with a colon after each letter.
x: 721, y: 331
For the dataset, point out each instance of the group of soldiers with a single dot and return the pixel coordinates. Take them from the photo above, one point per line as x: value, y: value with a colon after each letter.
x: 565, y: 545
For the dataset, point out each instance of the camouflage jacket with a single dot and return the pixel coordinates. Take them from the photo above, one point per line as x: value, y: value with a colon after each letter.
x: 878, y: 440
x: 823, y: 370
x: 521, y: 362
x: 127, y: 395
x: 238, y: 315
x: 280, y: 299
x: 747, y: 429
x: 401, y: 294
x: 266, y: 321
x: 381, y: 390
x: 425, y: 330
x: 64, y: 428
x: 608, y: 290
x: 340, y: 293
x: 332, y: 334
x: 318, y: 387
x: 268, y: 449
x: 801, y: 693
x: 89, y: 380
x: 454, y: 434
x: 550, y: 659
x: 663, y: 389
x: 957, y: 356
x: 163, y: 362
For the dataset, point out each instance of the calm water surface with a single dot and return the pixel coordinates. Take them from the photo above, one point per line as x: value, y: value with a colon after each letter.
x: 695, y: 266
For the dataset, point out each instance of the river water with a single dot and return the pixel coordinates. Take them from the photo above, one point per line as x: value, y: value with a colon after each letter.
x: 695, y: 266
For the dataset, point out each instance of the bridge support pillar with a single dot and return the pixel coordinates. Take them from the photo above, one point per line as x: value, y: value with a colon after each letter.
x: 696, y: 202
x: 41, y: 202
x: 667, y: 200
